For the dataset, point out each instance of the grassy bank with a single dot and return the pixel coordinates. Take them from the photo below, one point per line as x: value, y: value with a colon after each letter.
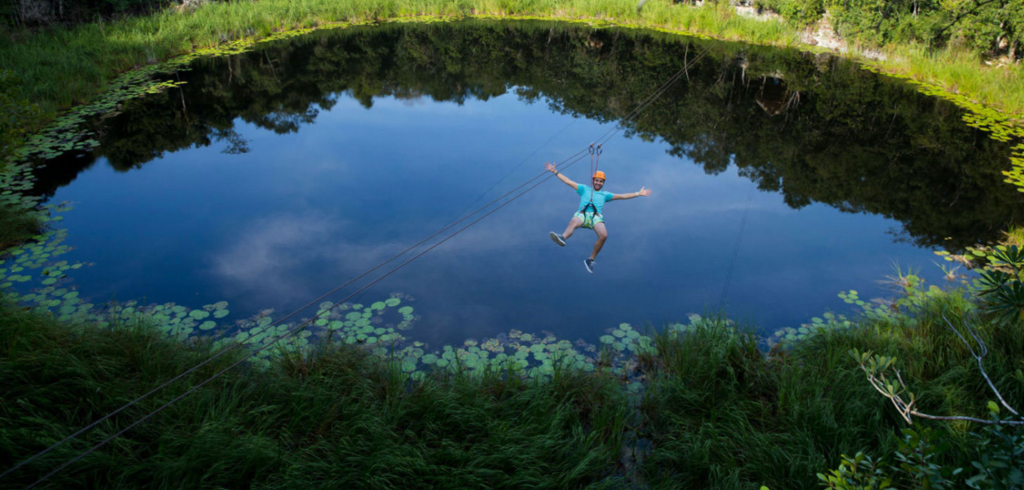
x: 80, y: 61
x: 716, y: 411
x: 329, y: 419
x: 16, y: 225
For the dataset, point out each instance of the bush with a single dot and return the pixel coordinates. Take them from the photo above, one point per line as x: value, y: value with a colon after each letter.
x: 799, y: 12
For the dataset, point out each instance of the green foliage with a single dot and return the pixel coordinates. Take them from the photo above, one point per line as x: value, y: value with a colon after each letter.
x: 17, y: 116
x: 917, y: 466
x: 331, y: 417
x: 20, y: 217
x: 857, y: 473
x: 984, y: 27
x: 1000, y: 464
x: 918, y: 459
x: 717, y: 411
x: 800, y: 12
x: 1000, y: 282
x: 990, y: 27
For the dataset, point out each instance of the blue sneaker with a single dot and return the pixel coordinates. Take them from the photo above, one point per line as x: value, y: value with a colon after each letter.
x: 589, y: 264
x: 555, y: 237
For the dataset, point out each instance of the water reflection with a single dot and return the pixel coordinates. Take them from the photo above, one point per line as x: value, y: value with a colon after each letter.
x: 266, y: 181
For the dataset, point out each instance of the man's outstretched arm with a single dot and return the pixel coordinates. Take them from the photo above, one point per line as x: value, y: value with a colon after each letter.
x: 550, y: 167
x: 631, y: 195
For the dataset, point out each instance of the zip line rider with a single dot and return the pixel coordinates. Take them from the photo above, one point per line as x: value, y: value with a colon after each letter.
x: 589, y: 213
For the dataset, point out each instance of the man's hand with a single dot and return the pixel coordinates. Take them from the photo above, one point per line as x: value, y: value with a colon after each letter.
x: 550, y: 167
x: 643, y: 192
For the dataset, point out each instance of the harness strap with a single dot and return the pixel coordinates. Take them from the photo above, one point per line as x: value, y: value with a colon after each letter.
x: 594, y: 151
x: 593, y: 168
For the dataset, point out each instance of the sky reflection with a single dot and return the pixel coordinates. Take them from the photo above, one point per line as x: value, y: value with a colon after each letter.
x: 303, y: 212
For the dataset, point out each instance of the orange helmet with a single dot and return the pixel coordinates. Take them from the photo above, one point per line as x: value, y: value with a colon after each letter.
x: 599, y: 175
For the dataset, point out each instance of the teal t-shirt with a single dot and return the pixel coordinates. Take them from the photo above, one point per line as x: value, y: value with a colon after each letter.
x: 600, y: 197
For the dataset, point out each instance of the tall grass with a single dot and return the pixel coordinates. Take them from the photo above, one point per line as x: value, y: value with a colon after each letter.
x: 722, y: 415
x: 961, y: 72
x: 717, y: 411
x: 327, y: 419
x: 16, y: 225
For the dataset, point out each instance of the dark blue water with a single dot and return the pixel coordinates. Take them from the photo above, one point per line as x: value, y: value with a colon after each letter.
x: 303, y: 211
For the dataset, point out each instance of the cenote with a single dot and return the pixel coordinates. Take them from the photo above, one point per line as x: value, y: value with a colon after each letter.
x: 780, y: 178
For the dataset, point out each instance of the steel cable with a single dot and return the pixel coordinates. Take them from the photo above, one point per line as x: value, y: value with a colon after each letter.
x: 276, y: 323
x: 290, y: 333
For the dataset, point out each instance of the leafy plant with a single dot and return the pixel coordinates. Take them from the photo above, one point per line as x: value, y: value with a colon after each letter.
x: 1001, y: 287
x: 857, y: 473
x: 1001, y: 462
x: 916, y: 466
x: 917, y: 456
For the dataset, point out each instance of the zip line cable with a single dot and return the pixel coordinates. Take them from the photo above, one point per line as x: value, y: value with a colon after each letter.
x: 605, y: 137
x: 608, y: 135
x: 290, y: 333
x: 276, y: 323
x: 736, y: 250
x: 651, y: 98
x: 510, y: 172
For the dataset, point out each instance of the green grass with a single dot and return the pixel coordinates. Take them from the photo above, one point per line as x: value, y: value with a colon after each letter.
x: 16, y: 225
x: 327, y: 419
x: 717, y: 412
x: 722, y: 415
x: 961, y: 72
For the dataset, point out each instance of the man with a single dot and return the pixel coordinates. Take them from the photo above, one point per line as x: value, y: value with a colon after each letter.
x: 589, y: 213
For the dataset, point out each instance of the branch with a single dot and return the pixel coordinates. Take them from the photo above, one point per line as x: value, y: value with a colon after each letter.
x: 984, y: 352
x: 969, y: 419
x: 907, y: 411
